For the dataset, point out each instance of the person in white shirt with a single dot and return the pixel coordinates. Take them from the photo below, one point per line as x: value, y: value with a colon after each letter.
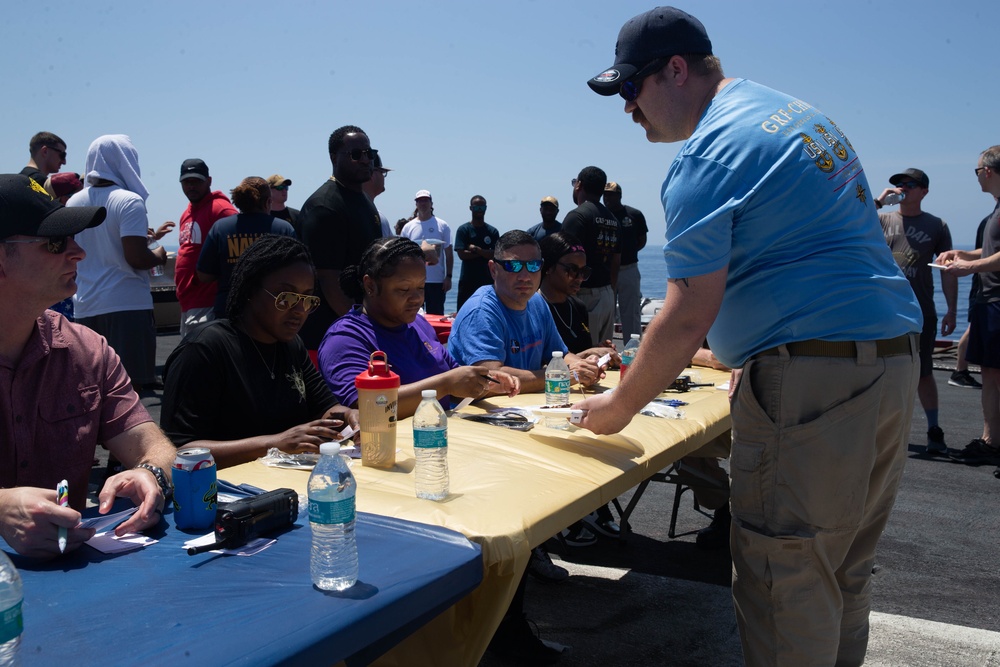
x: 425, y: 226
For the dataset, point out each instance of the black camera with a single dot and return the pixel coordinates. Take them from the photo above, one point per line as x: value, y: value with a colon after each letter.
x: 238, y: 522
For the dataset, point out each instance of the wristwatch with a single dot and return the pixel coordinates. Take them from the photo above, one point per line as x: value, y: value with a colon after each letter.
x: 161, y: 479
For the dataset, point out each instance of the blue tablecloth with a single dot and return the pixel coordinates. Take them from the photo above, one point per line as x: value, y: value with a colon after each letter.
x: 160, y: 606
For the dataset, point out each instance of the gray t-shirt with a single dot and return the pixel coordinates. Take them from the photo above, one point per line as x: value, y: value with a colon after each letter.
x: 991, y: 245
x: 915, y: 241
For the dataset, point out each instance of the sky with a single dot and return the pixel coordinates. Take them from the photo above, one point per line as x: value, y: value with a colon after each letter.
x: 481, y: 98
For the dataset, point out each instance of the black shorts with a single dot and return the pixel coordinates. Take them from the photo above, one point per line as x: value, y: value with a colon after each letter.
x: 984, y: 335
x: 927, y: 338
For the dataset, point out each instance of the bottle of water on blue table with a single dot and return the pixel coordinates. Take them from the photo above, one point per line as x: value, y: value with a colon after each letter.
x: 332, y: 488
x: 11, y: 625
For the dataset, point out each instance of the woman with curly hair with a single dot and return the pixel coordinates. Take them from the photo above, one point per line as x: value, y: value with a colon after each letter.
x: 245, y: 384
x: 230, y: 237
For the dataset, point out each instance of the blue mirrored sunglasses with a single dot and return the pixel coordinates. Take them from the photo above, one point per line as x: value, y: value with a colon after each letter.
x: 515, y: 265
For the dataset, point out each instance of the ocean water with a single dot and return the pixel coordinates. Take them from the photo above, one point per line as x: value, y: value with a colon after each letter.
x: 654, y: 286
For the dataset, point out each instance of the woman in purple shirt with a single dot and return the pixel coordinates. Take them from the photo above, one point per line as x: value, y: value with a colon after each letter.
x: 388, y: 286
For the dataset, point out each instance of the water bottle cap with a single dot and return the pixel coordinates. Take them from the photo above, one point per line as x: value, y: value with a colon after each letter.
x: 634, y: 336
x: 329, y: 448
x: 429, y: 393
x: 557, y: 354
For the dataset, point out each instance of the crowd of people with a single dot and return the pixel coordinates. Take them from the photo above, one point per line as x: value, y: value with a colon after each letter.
x: 282, y: 308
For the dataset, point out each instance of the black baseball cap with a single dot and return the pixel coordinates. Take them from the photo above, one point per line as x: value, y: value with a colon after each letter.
x: 911, y: 174
x: 26, y: 208
x: 194, y: 168
x: 658, y: 33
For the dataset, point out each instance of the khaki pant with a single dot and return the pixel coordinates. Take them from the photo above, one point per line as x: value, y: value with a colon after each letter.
x: 818, y: 451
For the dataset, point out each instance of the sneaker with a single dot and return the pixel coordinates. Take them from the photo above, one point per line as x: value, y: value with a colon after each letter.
x: 964, y: 379
x: 605, y: 526
x: 715, y: 535
x: 578, y: 536
x: 516, y: 640
x: 996, y: 473
x: 977, y: 453
x: 540, y: 566
x: 935, y: 442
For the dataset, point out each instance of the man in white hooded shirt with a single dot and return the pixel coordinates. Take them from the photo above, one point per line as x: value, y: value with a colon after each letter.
x: 113, y: 296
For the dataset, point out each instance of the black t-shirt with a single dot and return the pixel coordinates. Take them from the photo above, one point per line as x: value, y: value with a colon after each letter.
x: 572, y: 322
x: 632, y: 222
x: 337, y: 224
x: 597, y: 229
x: 290, y: 215
x: 218, y: 386
x: 227, y: 240
x: 476, y: 271
x: 34, y: 174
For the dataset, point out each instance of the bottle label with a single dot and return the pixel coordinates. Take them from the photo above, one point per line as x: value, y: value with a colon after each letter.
x: 557, y: 386
x: 336, y: 511
x: 430, y: 438
x: 11, y: 623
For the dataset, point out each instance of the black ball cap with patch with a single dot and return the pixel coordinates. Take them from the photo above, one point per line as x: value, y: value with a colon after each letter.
x: 27, y: 209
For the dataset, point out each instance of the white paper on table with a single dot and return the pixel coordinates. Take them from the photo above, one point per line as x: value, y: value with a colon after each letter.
x: 249, y: 549
x: 723, y: 387
x: 109, y: 543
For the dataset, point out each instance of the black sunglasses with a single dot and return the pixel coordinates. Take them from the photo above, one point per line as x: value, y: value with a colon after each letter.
x: 358, y: 153
x: 279, y: 187
x: 515, y: 265
x: 54, y: 244
x: 633, y: 85
x: 574, y: 271
x: 62, y: 154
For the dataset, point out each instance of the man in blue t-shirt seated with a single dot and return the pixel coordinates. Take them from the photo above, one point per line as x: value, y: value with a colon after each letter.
x: 507, y: 325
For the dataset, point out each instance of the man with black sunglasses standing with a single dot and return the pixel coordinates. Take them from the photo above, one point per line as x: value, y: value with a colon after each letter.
x: 915, y: 238
x: 337, y: 223
x: 62, y: 387
x: 775, y: 252
x: 598, y: 229
x: 48, y: 155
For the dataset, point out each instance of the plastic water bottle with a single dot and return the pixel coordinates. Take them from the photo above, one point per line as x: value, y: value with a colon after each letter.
x: 628, y: 354
x: 11, y: 624
x: 430, y: 445
x: 334, y: 560
x: 557, y: 388
x: 157, y: 270
x: 893, y: 198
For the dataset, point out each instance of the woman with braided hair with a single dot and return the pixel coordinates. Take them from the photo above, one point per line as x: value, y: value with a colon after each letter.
x: 244, y: 384
x: 388, y: 288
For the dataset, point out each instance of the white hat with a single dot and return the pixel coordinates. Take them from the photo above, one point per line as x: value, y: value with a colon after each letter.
x: 423, y: 193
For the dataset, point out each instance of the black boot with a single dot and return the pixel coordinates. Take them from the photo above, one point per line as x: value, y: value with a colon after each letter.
x: 716, y: 534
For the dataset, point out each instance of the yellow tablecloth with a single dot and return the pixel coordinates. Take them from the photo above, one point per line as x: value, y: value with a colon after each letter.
x: 511, y: 491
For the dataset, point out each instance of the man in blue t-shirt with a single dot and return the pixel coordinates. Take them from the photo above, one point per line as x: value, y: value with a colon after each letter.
x: 775, y: 252
x: 507, y: 325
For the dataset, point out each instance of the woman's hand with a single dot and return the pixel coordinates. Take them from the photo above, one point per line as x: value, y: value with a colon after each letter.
x: 306, y: 438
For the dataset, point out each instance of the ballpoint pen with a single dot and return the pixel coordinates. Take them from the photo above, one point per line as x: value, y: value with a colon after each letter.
x: 62, y: 497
